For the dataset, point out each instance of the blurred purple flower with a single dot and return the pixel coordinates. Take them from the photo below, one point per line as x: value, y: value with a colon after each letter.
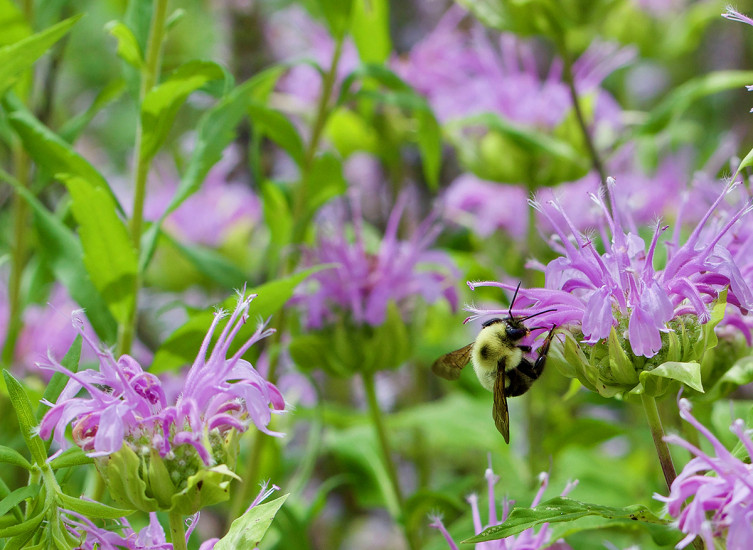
x: 462, y: 73
x: 294, y: 36
x: 596, y: 291
x: 720, y: 486
x: 126, y: 403
x: 363, y: 282
x: 527, y: 540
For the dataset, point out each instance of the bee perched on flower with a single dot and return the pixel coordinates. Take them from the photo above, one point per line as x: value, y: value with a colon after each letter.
x: 160, y: 456
x: 628, y: 318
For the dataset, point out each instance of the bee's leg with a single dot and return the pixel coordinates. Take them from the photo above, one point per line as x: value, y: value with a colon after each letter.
x: 523, y: 376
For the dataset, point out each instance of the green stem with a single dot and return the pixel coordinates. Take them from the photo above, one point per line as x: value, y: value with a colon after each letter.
x: 320, y: 122
x: 149, y: 76
x: 657, y: 432
x: 592, y: 151
x: 177, y: 531
x: 384, y: 446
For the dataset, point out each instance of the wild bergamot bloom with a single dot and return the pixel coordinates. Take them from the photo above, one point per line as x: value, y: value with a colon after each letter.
x: 527, y: 540
x: 357, y: 310
x: 712, y: 498
x: 156, y: 455
x: 631, y: 315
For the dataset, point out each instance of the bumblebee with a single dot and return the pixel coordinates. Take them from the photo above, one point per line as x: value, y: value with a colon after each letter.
x: 499, y: 362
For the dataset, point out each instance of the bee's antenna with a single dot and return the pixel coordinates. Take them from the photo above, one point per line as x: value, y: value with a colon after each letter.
x: 512, y: 302
x: 537, y: 314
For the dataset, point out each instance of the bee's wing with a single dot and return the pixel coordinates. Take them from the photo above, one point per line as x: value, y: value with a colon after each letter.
x: 500, y: 413
x: 451, y: 364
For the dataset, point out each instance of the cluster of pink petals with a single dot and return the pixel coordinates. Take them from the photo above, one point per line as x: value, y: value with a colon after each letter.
x: 527, y: 540
x: 720, y: 487
x: 594, y: 290
x: 363, y: 283
x: 127, y: 403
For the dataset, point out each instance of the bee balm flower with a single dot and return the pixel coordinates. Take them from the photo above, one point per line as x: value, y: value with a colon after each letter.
x: 178, y: 450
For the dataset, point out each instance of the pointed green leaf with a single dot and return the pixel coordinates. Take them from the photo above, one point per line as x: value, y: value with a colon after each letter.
x: 59, y: 380
x: 11, y: 456
x: 277, y: 127
x: 62, y: 250
x: 211, y: 263
x: 181, y: 347
x: 72, y: 127
x: 27, y: 526
x: 51, y: 152
x: 20, y: 56
x: 128, y: 47
x: 109, y: 256
x: 90, y: 508
x: 561, y: 509
x: 161, y: 104
x: 682, y: 97
x: 370, y: 29
x: 26, y: 420
x: 215, y: 131
x: 17, y: 497
x: 249, y: 529
x: 326, y: 181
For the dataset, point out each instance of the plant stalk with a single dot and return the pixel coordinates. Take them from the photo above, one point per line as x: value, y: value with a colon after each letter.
x: 386, y: 450
x: 149, y: 76
x: 657, y: 432
x: 177, y: 531
x: 596, y: 161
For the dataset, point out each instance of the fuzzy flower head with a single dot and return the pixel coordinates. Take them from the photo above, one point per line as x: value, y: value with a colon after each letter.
x: 620, y: 296
x: 126, y: 422
x: 527, y: 540
x: 365, y: 279
x: 712, y: 498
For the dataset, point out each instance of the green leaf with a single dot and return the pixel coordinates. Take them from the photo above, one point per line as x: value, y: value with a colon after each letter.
x: 277, y: 127
x: 337, y: 14
x: 212, y: 264
x: 561, y: 509
x: 20, y: 56
x: 248, y: 530
x: 370, y: 29
x: 59, y: 380
x: 181, y: 347
x: 682, y: 97
x: 109, y: 256
x: 26, y: 419
x: 277, y: 215
x: 325, y: 182
x: 13, y: 23
x: 128, y: 47
x: 50, y: 151
x: 161, y: 104
x: 17, y: 497
x: 25, y: 527
x: 215, y: 131
x: 745, y: 163
x: 90, y: 508
x: 11, y: 456
x: 62, y: 250
x: 73, y: 456
x: 688, y: 373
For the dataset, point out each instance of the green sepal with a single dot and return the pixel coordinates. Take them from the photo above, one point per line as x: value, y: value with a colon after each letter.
x: 121, y: 472
x: 206, y: 487
x: 621, y: 367
x: 159, y: 483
